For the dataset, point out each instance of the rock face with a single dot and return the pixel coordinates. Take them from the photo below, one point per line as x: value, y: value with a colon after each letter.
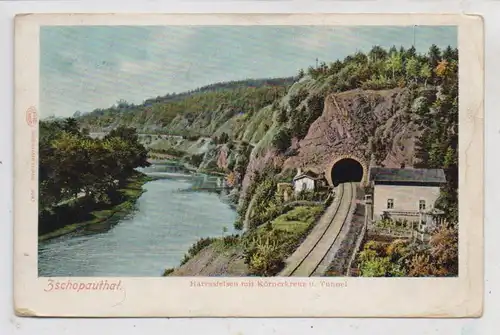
x: 373, y: 127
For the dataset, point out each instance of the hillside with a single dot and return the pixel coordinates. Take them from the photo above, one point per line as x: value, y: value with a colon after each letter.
x: 386, y: 107
x: 197, y: 112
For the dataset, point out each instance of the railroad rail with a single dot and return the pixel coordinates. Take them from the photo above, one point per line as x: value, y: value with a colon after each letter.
x: 304, y: 262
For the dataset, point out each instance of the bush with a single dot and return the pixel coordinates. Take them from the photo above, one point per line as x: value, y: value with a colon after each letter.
x: 379, y: 83
x: 224, y: 138
x: 282, y: 139
x: 315, y: 105
x: 264, y: 255
x: 195, y: 160
x: 167, y: 272
x: 238, y: 224
x: 198, y: 246
x: 265, y: 205
x: 281, y: 115
x: 296, y: 99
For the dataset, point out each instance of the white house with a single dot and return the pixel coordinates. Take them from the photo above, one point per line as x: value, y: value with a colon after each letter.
x: 307, y: 181
x: 405, y: 193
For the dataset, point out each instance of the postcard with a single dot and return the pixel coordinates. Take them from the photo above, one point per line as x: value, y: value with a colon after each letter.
x: 248, y: 165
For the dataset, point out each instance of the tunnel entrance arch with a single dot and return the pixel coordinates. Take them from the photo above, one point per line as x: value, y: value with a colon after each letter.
x: 346, y: 169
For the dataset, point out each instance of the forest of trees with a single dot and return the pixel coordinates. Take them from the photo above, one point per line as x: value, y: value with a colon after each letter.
x: 72, y: 164
x: 381, y: 68
x: 432, y: 79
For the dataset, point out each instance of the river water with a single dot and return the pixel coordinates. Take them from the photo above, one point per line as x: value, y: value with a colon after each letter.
x: 155, y: 236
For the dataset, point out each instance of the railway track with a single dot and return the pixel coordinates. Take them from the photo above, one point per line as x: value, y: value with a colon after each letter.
x: 305, y: 261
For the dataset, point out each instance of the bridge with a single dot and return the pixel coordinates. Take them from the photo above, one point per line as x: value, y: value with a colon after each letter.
x: 312, y: 257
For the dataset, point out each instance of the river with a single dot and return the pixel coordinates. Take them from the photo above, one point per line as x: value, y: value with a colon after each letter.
x: 154, y: 237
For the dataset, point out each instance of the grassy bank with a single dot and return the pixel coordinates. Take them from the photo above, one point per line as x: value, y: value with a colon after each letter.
x: 91, y: 216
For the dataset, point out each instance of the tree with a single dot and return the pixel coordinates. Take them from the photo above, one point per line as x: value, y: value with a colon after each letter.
x: 224, y: 138
x: 377, y: 53
x: 450, y: 54
x: 282, y: 139
x: 335, y: 67
x: 301, y: 74
x: 411, y: 52
x: 434, y: 56
x: 442, y: 68
x: 394, y: 64
x: 360, y: 57
x: 425, y: 73
x: 70, y: 125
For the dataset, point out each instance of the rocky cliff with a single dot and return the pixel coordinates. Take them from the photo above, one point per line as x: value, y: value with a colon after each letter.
x: 375, y: 127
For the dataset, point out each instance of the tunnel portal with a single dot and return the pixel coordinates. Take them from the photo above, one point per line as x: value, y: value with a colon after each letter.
x: 347, y: 170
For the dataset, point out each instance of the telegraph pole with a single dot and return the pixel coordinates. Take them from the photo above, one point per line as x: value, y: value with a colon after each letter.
x: 414, y: 35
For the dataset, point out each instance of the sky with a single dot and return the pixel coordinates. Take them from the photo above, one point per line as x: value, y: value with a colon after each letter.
x: 87, y: 67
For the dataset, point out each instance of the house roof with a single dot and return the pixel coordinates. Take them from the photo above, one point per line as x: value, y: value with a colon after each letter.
x: 379, y: 174
x: 308, y: 174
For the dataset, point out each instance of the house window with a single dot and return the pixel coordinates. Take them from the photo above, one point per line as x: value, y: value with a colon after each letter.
x: 390, y: 203
x: 421, y: 205
x: 304, y: 186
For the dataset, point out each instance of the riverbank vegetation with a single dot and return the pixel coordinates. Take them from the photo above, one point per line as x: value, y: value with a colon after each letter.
x: 85, y: 214
x: 404, y: 258
x: 83, y: 179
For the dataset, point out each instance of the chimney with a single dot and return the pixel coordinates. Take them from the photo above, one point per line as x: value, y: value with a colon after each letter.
x: 299, y: 171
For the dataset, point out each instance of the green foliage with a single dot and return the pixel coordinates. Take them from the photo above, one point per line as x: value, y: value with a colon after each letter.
x: 301, y: 74
x: 267, y: 248
x: 243, y: 97
x: 300, y: 119
x: 382, y: 69
x: 265, y: 258
x: 238, y: 224
x: 265, y: 205
x: 281, y: 115
x: 78, y: 174
x: 400, y: 258
x: 297, y: 98
x: 198, y: 246
x: 438, y: 145
x: 269, y: 174
x: 297, y: 219
x: 167, y: 272
x: 382, y: 260
x: 73, y: 164
x: 224, y: 138
x: 86, y: 214
x: 195, y: 159
x: 282, y: 139
x: 379, y: 82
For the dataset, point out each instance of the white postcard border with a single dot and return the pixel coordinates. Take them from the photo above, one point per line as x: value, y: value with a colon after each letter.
x: 176, y: 297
